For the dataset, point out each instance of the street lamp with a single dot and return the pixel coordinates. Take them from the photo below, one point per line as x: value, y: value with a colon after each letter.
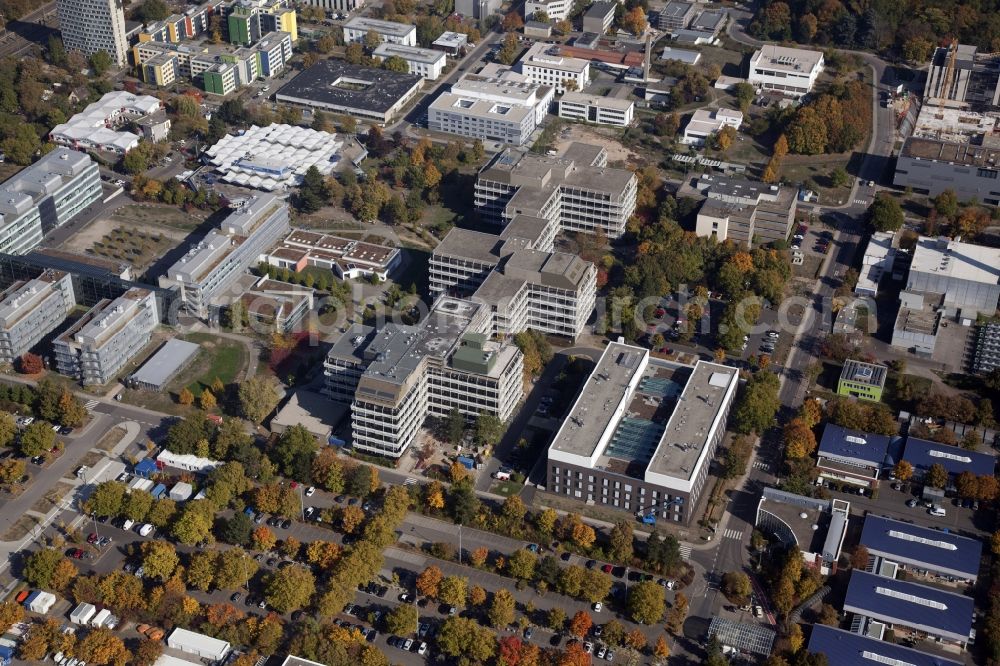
x: 460, y: 544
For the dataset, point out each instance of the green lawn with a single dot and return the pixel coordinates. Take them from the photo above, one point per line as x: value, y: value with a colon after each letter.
x: 226, y: 358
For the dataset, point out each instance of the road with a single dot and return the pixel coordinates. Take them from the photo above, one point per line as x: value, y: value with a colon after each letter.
x: 32, y: 29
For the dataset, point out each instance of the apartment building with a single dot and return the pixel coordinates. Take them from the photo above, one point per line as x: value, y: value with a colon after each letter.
x: 344, y: 6
x: 31, y: 309
x: 111, y: 334
x: 557, y: 10
x: 248, y: 21
x: 786, y: 70
x: 213, y: 266
x: 194, y: 22
x: 502, y: 106
x: 545, y: 65
x: 596, y: 109
x: 96, y: 127
x: 518, y: 276
x: 90, y: 26
x: 675, y: 15
x: 358, y: 28
x: 349, y: 259
x: 576, y: 191
x: 44, y: 196
x: 396, y: 376
x: 745, y: 211
x: 641, y: 435
x: 428, y: 63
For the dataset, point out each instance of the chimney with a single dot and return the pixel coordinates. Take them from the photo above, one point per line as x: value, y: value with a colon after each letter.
x: 645, y: 63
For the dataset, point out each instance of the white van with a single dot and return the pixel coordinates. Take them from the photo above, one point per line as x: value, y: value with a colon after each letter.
x: 502, y: 475
x: 127, y: 525
x: 146, y: 529
x: 937, y: 510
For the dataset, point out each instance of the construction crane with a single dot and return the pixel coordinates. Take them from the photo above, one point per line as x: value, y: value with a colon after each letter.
x: 949, y: 75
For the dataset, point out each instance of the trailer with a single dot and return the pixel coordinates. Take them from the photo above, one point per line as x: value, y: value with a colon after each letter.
x: 82, y: 614
x: 40, y: 602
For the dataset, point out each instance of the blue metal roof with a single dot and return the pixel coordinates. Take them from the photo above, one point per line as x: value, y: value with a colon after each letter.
x: 922, y: 547
x: 922, y: 453
x: 846, y: 649
x: 928, y: 609
x: 854, y: 445
x: 145, y: 467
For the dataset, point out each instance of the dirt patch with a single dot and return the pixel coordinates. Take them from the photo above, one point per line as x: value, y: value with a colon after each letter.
x: 132, y: 245
x: 20, y: 529
x: 595, y: 137
x: 52, y: 497
x: 91, y: 458
x: 146, y: 215
x: 111, y: 439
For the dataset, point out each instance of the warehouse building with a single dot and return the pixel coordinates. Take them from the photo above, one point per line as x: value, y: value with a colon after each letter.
x: 877, y: 262
x: 964, y: 277
x: 923, y: 453
x: 205, y: 647
x: 922, y: 550
x: 641, y: 434
x: 31, y: 309
x: 164, y: 365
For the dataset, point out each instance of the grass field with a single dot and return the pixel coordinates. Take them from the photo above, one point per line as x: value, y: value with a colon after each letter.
x: 132, y: 245
x: 225, y: 359
x: 170, y: 216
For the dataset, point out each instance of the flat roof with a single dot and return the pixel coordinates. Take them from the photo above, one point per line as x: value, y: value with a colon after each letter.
x: 957, y: 153
x: 165, y: 362
x: 921, y: 607
x: 550, y: 56
x: 845, y: 648
x: 452, y: 39
x: 686, y: 56
x: 677, y: 8
x: 600, y: 9
x: 954, y: 259
x: 292, y: 660
x: 20, y: 192
x: 806, y: 518
x: 414, y: 53
x: 784, y: 58
x: 922, y: 547
x: 873, y: 374
x: 922, y: 453
x: 339, y: 83
x: 840, y: 443
x: 382, y: 27
x: 592, y: 99
x: 495, y: 112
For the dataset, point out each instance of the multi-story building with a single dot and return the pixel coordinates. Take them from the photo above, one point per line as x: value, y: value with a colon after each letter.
x: 504, y: 107
x: 543, y: 64
x: 556, y: 10
x: 865, y: 381
x: 596, y: 109
x: 968, y: 166
x: 922, y: 550
x: 112, y: 333
x: 396, y: 376
x: 214, y: 265
x: 273, y: 306
x: 477, y: 9
x: 675, y: 15
x: 337, y: 5
x: 974, y: 82
x: 963, y: 278
x: 817, y: 527
x: 428, y: 63
x: 247, y: 21
x: 95, y: 128
x: 194, y: 22
x: 30, y: 310
x: 744, y: 211
x: 576, y: 190
x: 348, y: 259
x: 44, y: 196
x: 217, y: 69
x: 517, y: 275
x: 599, y: 17
x: 274, y: 51
x: 705, y: 122
x: 90, y: 26
x: 851, y: 456
x: 878, y: 260
x: 786, y: 70
x: 642, y: 434
x: 358, y: 28
x: 452, y: 43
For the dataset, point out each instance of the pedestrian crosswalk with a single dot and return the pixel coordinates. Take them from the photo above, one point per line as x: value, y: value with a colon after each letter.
x: 685, y: 551
x: 863, y: 202
x: 410, y: 481
x: 761, y: 464
x: 732, y: 534
x: 91, y: 404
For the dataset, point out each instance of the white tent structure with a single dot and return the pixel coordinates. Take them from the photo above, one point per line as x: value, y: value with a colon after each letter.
x: 204, y: 646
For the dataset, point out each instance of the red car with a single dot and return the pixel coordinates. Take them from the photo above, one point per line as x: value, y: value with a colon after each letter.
x: 607, y: 568
x: 77, y: 554
x: 660, y: 312
x: 92, y: 538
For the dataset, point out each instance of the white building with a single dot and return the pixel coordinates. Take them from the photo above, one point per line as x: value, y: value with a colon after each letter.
x: 358, y: 27
x: 787, y: 70
x: 94, y: 127
x: 557, y: 10
x: 82, y: 613
x: 543, y: 63
x: 204, y: 646
x: 100, y: 343
x: 505, y: 107
x: 90, y: 26
x: 428, y: 63
x: 747, y: 212
x: 44, y: 196
x: 704, y: 123
x: 877, y: 262
x: 31, y: 310
x: 344, y: 6
x: 451, y: 43
x: 964, y: 278
x: 275, y: 157
x: 596, y: 109
x: 208, y: 272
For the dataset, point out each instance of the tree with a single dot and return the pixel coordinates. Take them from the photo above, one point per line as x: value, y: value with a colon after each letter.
x: 995, y: 543
x: 200, y: 572
x: 556, y: 619
x: 937, y: 476
x: 903, y: 470
x: 101, y: 646
x: 620, y: 542
x: 453, y: 590
x: 744, y: 95
x: 40, y: 566
x: 234, y: 567
x: 724, y: 138
x: 885, y: 213
x: 360, y: 481
x: 477, y: 596
x: 8, y: 428
x: 966, y: 484
x: 521, y: 564
x: 661, y: 649
x: 646, y: 602
x: 194, y: 523
x: 501, y: 611
x: 736, y: 586
x: 678, y: 613
x: 351, y: 518
x: 800, y: 441
x: 152, y: 10
x: 185, y: 397
x: 10, y: 614
x: 395, y: 64
x: 136, y: 506
x: 512, y: 21
x: 63, y: 575
x: 159, y: 559
x: 580, y: 624
x: 455, y: 426
x: 11, y: 470
x: 758, y: 404
x: 257, y: 398
x: 36, y: 439
x: 31, y: 364
x: 290, y: 588
x: 545, y: 521
x: 236, y: 530
x: 207, y: 400
x: 295, y: 451
x: 402, y: 620
x: 807, y: 133
x: 634, y: 21
x: 462, y: 637
x: 429, y: 581
x: 263, y: 538
x: 859, y: 557
x: 839, y: 177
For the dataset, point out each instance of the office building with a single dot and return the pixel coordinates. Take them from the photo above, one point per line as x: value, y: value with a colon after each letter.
x: 31, y: 309
x: 923, y: 454
x: 703, y: 28
x: 364, y: 93
x: 210, y: 269
x: 348, y: 259
x: 966, y: 165
x: 358, y: 28
x: 816, y: 527
x: 556, y: 10
x: 974, y: 82
x: 599, y: 17
x: 427, y: 63
x: 865, y: 381
x: 396, y: 376
x: 278, y: 307
x: 848, y: 648
x: 790, y: 71
x: 452, y: 43
x: 851, y: 456
x: 90, y: 26
x: 340, y: 6
x: 524, y: 283
x: 545, y: 65
x: 675, y: 15
x: 877, y: 262
x: 641, y: 435
x: 904, y: 606
x: 575, y: 191
x: 94, y: 128
x: 505, y: 107
x: 113, y: 332
x: 45, y: 195
x: 477, y: 9
x: 962, y: 278
x: 923, y: 551
x: 706, y: 122
x: 748, y: 212
x: 596, y: 109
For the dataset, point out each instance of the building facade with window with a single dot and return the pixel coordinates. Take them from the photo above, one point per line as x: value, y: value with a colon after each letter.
x: 31, y: 309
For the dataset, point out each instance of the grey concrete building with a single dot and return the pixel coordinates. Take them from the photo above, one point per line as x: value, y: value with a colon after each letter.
x: 477, y: 9
x: 599, y: 17
x: 969, y: 168
x: 675, y: 15
x: 975, y: 80
x: 100, y: 343
x: 744, y: 211
x: 90, y: 26
x: 30, y: 310
x: 964, y: 277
